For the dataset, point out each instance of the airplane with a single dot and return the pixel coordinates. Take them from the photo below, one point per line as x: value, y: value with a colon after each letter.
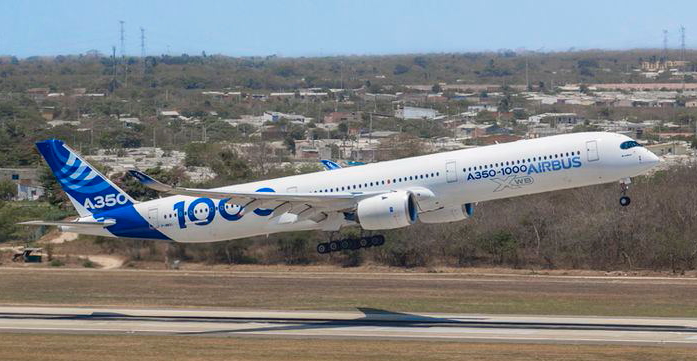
x: 435, y: 188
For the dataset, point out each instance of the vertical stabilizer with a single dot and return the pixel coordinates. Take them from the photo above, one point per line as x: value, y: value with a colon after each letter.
x: 88, y: 189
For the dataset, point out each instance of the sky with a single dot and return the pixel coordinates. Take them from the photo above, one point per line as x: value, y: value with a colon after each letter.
x: 339, y: 27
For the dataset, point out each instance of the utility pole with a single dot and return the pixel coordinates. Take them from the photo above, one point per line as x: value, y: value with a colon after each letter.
x: 682, y: 43
x: 665, y: 45
x: 123, y: 54
x: 142, y: 48
x: 527, y: 79
x: 113, y: 61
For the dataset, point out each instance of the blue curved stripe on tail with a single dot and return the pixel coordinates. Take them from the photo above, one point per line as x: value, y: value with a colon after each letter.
x: 89, y: 190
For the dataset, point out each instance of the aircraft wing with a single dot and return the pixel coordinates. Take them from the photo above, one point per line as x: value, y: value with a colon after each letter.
x: 325, y: 201
x: 105, y: 223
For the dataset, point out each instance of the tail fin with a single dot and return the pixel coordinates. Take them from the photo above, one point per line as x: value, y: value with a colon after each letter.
x: 330, y: 165
x: 88, y: 189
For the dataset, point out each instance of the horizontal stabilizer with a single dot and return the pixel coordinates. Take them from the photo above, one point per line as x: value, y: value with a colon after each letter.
x: 105, y: 223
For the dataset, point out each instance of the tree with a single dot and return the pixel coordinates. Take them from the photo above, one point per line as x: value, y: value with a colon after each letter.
x: 436, y: 88
x: 421, y: 61
x: 8, y: 190
x: 53, y: 193
x: 290, y: 144
x: 400, y: 69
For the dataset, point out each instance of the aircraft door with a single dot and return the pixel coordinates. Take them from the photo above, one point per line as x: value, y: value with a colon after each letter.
x: 153, y: 219
x: 451, y: 171
x: 592, y: 150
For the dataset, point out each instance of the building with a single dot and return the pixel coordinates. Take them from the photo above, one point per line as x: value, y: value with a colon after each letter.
x: 471, y: 130
x: 554, y: 119
x: 27, y: 181
x: 343, y: 117
x: 273, y: 117
x: 38, y: 94
x: 482, y: 108
x: 171, y: 114
x: 415, y: 113
x: 129, y: 122
x: 656, y: 66
x: 692, y: 103
x: 669, y: 148
x: 48, y: 113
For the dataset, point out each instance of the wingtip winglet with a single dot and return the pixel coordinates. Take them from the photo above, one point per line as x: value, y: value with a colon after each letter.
x: 149, y: 181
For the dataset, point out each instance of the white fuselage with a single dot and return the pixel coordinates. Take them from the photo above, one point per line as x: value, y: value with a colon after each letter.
x: 447, y: 179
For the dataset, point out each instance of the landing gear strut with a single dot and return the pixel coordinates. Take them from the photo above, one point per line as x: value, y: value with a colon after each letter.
x: 351, y: 244
x: 624, y: 186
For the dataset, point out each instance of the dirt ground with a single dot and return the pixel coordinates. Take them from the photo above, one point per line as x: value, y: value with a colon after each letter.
x: 284, y: 288
x: 32, y: 347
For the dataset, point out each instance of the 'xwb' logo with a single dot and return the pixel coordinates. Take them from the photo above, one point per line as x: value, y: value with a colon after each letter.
x: 512, y: 181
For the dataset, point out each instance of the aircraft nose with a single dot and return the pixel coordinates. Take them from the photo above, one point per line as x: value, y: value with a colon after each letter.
x: 649, y: 158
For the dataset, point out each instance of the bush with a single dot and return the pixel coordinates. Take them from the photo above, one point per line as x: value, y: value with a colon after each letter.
x: 88, y: 264
x: 56, y: 263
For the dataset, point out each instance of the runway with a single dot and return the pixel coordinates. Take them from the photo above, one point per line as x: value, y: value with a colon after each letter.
x: 364, y: 323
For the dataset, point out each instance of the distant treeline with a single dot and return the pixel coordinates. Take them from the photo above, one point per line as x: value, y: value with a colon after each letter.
x: 98, y: 72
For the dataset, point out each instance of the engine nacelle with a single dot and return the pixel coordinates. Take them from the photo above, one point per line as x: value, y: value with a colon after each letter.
x: 446, y: 215
x: 387, y: 211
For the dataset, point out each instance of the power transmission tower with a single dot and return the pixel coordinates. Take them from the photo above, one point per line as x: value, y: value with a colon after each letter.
x: 123, y: 39
x: 142, y: 48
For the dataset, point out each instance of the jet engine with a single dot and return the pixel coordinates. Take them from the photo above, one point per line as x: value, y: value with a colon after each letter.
x: 387, y: 211
x: 448, y: 214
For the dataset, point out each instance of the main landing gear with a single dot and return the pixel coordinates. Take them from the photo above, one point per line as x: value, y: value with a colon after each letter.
x: 351, y: 244
x: 624, y: 186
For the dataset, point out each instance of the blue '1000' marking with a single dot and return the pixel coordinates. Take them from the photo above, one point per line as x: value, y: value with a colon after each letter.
x: 183, y: 212
x: 203, y: 218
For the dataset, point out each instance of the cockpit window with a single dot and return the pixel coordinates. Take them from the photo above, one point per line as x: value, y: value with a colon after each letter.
x: 629, y: 144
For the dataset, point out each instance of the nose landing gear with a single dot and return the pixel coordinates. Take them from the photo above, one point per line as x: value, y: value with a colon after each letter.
x: 624, y: 186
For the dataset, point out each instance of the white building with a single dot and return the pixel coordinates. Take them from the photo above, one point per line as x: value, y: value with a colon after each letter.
x: 554, y: 119
x: 415, y: 113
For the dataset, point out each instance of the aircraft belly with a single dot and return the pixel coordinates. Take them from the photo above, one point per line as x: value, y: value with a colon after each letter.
x: 221, y: 229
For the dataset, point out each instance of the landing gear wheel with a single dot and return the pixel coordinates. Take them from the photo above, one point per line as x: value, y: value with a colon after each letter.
x: 378, y: 240
x: 323, y: 248
x: 354, y: 244
x: 334, y: 246
x: 624, y: 201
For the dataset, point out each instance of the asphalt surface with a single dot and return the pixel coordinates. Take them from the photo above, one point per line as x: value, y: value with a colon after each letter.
x: 363, y: 323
